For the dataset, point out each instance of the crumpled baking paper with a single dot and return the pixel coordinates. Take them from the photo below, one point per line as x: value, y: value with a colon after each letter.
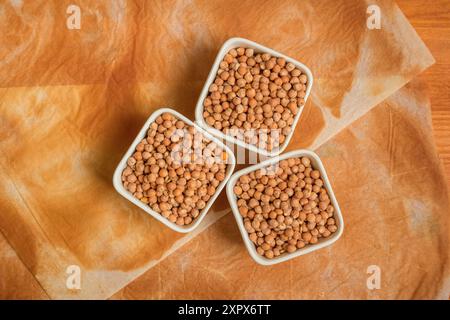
x: 389, y: 183
x: 71, y: 102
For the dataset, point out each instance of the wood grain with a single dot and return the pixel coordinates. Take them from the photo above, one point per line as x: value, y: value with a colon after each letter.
x: 432, y: 23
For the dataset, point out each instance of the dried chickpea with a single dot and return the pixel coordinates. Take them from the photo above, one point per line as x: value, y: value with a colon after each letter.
x: 253, y: 91
x: 283, y: 208
x: 174, y: 185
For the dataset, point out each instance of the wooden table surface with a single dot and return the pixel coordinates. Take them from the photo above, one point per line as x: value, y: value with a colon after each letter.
x: 431, y: 19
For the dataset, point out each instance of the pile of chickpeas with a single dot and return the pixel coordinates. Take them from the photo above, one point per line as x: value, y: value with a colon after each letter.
x: 254, y: 94
x: 167, y: 172
x: 285, y: 207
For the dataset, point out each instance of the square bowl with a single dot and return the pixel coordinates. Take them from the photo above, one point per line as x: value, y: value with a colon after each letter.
x: 323, y: 242
x: 241, y: 42
x: 117, y: 178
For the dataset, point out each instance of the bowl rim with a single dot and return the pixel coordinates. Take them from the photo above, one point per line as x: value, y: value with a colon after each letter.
x: 317, y: 163
x: 117, y: 176
x: 233, y: 43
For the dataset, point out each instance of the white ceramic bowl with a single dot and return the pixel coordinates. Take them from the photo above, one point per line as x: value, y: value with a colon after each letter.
x: 240, y: 42
x: 323, y: 242
x: 117, y: 178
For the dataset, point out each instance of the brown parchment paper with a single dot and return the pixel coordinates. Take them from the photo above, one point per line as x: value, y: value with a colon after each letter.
x: 71, y: 101
x: 390, y: 186
x: 17, y: 282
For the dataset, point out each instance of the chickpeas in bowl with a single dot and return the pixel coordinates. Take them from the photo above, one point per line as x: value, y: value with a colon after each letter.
x: 254, y: 96
x: 174, y: 170
x: 285, y: 207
